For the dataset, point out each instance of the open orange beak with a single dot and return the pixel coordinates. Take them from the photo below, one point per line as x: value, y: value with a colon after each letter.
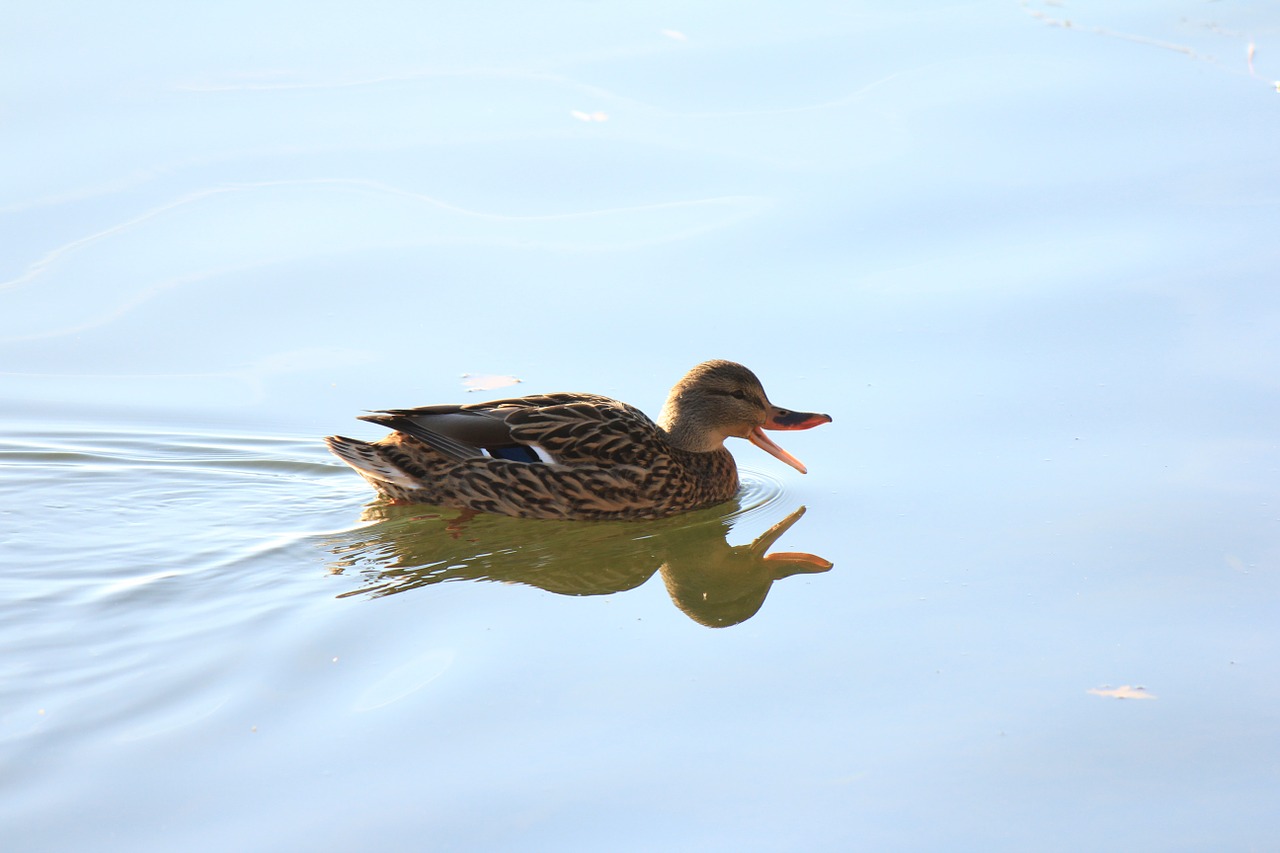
x: 783, y: 419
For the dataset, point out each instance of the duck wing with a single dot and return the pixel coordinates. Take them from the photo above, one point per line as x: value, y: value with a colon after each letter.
x: 566, y: 429
x: 590, y: 430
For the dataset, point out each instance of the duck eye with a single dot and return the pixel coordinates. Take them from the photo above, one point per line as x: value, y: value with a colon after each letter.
x: 739, y: 394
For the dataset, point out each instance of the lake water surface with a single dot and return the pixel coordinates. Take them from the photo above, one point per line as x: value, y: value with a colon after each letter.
x: 1025, y: 254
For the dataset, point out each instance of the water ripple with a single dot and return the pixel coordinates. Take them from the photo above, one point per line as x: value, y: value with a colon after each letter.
x: 760, y: 493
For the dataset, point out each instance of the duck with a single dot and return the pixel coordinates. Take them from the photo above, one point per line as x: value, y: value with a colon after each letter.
x: 575, y: 456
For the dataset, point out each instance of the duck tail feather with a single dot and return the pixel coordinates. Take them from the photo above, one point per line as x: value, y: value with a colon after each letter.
x: 369, y: 460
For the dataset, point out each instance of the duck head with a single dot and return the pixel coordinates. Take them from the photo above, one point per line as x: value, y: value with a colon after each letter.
x: 719, y: 399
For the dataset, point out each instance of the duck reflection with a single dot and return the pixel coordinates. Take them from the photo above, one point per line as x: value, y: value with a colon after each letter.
x: 716, y: 584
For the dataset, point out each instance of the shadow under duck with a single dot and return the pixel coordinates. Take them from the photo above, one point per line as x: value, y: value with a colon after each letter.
x: 576, y: 456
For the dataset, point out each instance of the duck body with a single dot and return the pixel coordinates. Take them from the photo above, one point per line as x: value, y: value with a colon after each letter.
x: 574, y: 456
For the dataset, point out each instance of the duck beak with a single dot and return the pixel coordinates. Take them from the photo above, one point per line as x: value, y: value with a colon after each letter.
x: 762, y: 441
x: 783, y: 419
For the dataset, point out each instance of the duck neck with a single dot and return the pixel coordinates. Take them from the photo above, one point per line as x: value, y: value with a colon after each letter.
x: 685, y: 429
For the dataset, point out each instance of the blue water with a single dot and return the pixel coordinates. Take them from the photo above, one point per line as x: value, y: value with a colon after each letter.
x: 1024, y: 253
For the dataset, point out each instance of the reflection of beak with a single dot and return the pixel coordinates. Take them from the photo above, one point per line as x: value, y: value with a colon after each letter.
x: 788, y: 563
x: 783, y: 419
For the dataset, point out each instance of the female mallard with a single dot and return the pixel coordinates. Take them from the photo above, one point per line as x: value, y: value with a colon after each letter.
x: 576, y: 456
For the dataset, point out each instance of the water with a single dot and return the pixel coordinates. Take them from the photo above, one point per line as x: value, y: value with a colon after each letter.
x: 1024, y: 254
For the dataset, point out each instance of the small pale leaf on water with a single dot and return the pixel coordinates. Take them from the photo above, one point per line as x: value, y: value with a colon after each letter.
x: 487, y: 381
x: 1124, y: 691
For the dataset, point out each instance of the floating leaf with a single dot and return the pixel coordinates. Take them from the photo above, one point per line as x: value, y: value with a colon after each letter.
x: 1124, y: 691
x: 487, y: 381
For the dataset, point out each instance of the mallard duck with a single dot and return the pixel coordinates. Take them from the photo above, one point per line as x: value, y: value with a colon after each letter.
x: 576, y: 456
